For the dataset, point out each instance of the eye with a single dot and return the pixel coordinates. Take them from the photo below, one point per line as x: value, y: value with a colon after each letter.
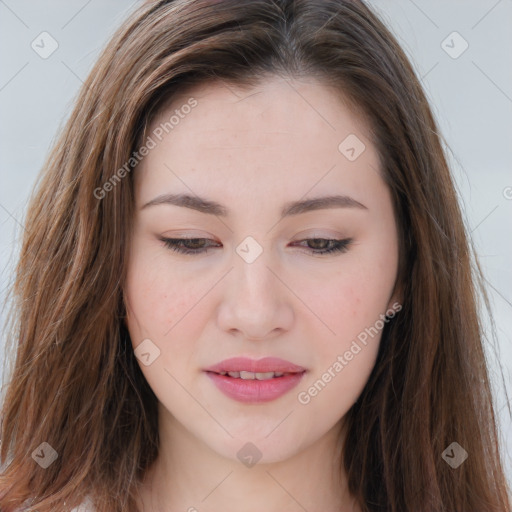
x: 327, y: 245
x: 187, y: 245
x: 201, y: 245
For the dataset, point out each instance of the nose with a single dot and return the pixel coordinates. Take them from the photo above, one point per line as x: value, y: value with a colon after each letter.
x: 256, y: 303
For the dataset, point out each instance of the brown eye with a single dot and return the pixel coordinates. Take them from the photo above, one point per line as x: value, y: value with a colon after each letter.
x: 318, y: 243
x: 327, y: 245
x: 187, y: 245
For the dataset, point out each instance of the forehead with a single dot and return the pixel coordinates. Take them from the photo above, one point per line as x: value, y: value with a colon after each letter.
x: 274, y: 99
x: 286, y: 133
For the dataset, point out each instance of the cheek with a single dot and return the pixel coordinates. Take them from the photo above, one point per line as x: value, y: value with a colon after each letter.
x: 348, y: 302
x: 344, y: 361
x: 159, y: 301
x: 164, y: 307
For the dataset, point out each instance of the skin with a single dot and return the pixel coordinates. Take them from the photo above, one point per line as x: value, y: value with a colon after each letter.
x: 253, y: 151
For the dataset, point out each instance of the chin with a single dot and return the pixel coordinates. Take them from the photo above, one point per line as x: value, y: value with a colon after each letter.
x: 251, y: 449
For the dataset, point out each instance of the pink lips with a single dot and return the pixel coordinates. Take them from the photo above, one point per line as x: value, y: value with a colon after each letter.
x: 255, y: 391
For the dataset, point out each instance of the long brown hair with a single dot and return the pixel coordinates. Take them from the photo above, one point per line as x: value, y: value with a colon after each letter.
x: 76, y: 384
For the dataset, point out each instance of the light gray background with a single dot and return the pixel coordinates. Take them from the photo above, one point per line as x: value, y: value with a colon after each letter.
x: 471, y: 97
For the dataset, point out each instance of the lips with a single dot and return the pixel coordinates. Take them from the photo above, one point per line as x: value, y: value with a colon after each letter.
x: 255, y: 381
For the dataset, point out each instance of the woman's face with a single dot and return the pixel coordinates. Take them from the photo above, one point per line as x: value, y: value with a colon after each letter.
x: 255, y: 167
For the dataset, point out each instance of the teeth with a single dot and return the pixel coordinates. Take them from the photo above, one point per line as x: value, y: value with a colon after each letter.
x: 264, y: 376
x: 253, y: 375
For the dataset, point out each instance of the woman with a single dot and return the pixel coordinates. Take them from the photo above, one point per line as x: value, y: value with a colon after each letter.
x: 245, y: 282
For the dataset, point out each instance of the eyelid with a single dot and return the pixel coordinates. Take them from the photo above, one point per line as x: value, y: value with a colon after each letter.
x: 308, y: 234
x: 187, y: 233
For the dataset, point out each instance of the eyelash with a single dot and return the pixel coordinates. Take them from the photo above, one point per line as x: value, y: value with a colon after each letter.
x: 339, y: 246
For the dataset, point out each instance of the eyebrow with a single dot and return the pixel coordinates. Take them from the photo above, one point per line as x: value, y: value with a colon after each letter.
x: 210, y: 207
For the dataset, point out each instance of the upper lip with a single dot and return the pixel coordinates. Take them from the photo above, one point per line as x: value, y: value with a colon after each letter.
x: 267, y: 364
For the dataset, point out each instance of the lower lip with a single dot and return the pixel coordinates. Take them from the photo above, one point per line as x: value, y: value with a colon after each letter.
x: 255, y: 391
